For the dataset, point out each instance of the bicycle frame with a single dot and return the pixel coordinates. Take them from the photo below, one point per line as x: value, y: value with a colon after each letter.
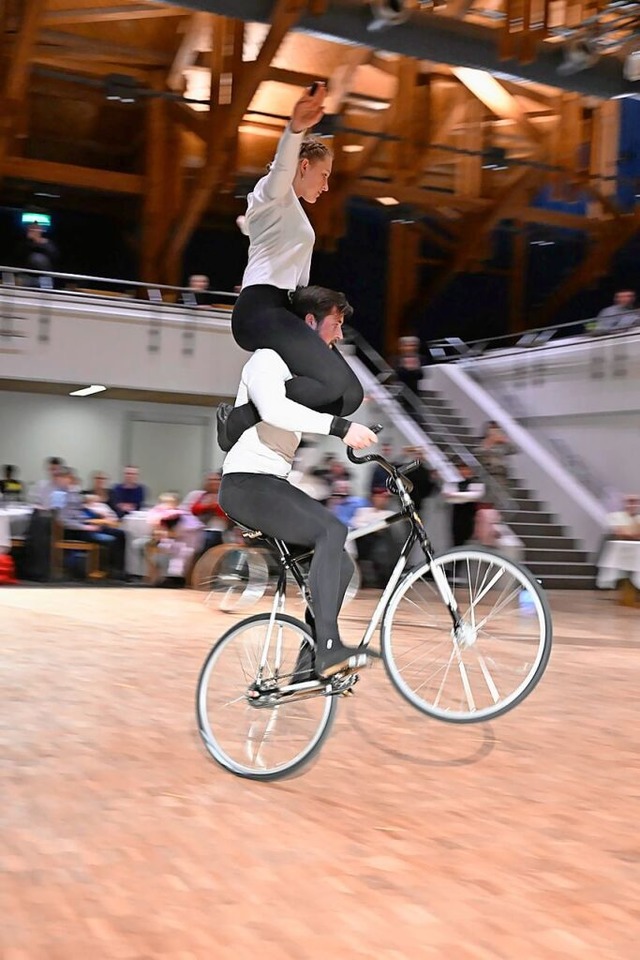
x: 417, y: 534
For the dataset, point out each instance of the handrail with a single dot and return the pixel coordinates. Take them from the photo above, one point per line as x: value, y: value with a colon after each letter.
x: 427, y: 419
x: 14, y: 272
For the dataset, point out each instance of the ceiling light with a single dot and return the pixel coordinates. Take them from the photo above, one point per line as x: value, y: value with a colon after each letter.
x: 353, y: 148
x: 87, y: 391
x: 387, y: 201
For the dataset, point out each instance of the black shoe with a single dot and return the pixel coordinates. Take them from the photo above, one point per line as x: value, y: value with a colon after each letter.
x: 222, y: 415
x: 334, y: 657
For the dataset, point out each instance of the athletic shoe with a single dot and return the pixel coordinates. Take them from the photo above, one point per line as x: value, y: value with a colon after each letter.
x: 334, y: 657
x: 222, y: 415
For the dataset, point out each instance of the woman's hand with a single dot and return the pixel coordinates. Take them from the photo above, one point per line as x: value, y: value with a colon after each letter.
x: 309, y: 109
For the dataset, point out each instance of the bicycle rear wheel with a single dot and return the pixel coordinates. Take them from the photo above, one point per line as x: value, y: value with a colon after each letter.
x: 488, y: 665
x: 233, y: 576
x: 272, y: 736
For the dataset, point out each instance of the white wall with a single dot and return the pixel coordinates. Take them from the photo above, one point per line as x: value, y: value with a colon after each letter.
x: 59, y: 338
x: 585, y: 393
x: 91, y: 433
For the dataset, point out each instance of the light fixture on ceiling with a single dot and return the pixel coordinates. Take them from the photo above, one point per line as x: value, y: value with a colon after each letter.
x: 88, y: 391
x: 353, y: 148
x: 387, y: 201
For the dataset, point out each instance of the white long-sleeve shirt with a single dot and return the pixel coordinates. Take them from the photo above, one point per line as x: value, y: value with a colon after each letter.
x: 270, y: 446
x: 281, y: 237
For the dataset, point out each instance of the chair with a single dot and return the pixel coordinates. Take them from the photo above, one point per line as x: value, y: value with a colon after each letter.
x: 59, y: 545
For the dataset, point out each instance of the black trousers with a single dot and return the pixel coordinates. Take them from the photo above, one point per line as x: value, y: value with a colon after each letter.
x: 322, y: 380
x: 272, y: 505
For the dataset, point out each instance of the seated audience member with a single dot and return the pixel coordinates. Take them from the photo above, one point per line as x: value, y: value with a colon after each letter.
x: 625, y: 523
x: 175, y: 541
x: 343, y: 504
x: 621, y: 315
x: 463, y: 496
x: 408, y: 363
x: 72, y: 516
x: 330, y: 471
x: 41, y: 494
x: 10, y: 486
x: 378, y: 551
x: 493, y: 451
x: 99, y: 486
x: 209, y: 512
x: 128, y: 496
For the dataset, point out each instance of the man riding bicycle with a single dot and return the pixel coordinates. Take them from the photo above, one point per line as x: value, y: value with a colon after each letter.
x: 255, y: 490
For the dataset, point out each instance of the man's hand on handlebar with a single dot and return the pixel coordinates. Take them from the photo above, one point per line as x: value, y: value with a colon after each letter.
x: 359, y: 437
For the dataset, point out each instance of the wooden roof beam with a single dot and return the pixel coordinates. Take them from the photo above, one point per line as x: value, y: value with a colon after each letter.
x: 196, y: 39
x: 133, y: 11
x: 285, y: 15
x: 68, y: 175
x: 94, y: 47
x: 494, y: 96
x: 17, y: 77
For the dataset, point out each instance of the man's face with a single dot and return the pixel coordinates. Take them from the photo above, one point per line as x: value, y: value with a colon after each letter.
x: 632, y: 505
x: 330, y: 328
x: 131, y: 475
x: 625, y: 298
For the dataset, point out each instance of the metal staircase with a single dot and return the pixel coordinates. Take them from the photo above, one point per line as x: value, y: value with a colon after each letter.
x: 549, y: 553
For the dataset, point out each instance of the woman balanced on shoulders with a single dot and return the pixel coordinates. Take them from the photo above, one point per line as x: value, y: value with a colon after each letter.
x: 280, y: 249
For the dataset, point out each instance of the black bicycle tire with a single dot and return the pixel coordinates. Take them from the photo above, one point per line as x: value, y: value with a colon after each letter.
x: 289, y: 771
x: 532, y: 585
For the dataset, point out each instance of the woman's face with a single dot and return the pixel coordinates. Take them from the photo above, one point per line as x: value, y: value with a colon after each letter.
x: 312, y: 178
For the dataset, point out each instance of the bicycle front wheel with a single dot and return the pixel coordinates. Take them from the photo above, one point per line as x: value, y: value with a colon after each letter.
x: 268, y: 737
x: 486, y: 665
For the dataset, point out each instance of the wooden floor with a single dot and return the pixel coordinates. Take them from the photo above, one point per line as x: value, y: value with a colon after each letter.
x: 119, y: 838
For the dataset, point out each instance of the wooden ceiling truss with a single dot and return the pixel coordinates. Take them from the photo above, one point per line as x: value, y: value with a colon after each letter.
x: 451, y: 150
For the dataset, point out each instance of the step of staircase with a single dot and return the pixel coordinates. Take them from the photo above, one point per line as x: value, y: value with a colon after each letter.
x: 550, y: 554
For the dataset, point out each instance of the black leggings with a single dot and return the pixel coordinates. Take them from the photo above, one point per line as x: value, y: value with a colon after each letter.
x: 272, y: 505
x: 323, y: 380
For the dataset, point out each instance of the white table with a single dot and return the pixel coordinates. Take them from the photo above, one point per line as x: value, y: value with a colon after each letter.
x: 14, y: 522
x: 619, y: 559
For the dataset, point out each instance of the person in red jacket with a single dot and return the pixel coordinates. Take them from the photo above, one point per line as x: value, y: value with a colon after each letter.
x: 207, y: 509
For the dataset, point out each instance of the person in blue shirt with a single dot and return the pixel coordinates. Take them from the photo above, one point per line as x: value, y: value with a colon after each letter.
x: 128, y: 496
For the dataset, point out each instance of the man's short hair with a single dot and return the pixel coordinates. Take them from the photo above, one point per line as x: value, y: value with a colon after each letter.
x: 319, y: 301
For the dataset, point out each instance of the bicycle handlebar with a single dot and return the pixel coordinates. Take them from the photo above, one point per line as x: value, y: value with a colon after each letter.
x: 377, y: 458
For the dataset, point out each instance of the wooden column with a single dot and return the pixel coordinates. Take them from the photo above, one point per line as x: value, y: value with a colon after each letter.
x: 402, y: 279
x: 162, y: 192
x: 17, y: 76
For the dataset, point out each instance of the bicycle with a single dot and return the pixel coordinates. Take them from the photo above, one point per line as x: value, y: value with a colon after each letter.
x: 465, y: 637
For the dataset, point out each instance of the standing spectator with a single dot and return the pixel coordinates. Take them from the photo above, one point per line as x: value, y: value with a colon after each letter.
x: 10, y: 486
x: 625, y: 523
x: 198, y: 294
x: 128, y: 496
x: 39, y: 254
x: 408, y: 363
x: 621, y: 315
x: 378, y: 552
x: 494, y: 448
x: 464, y: 496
